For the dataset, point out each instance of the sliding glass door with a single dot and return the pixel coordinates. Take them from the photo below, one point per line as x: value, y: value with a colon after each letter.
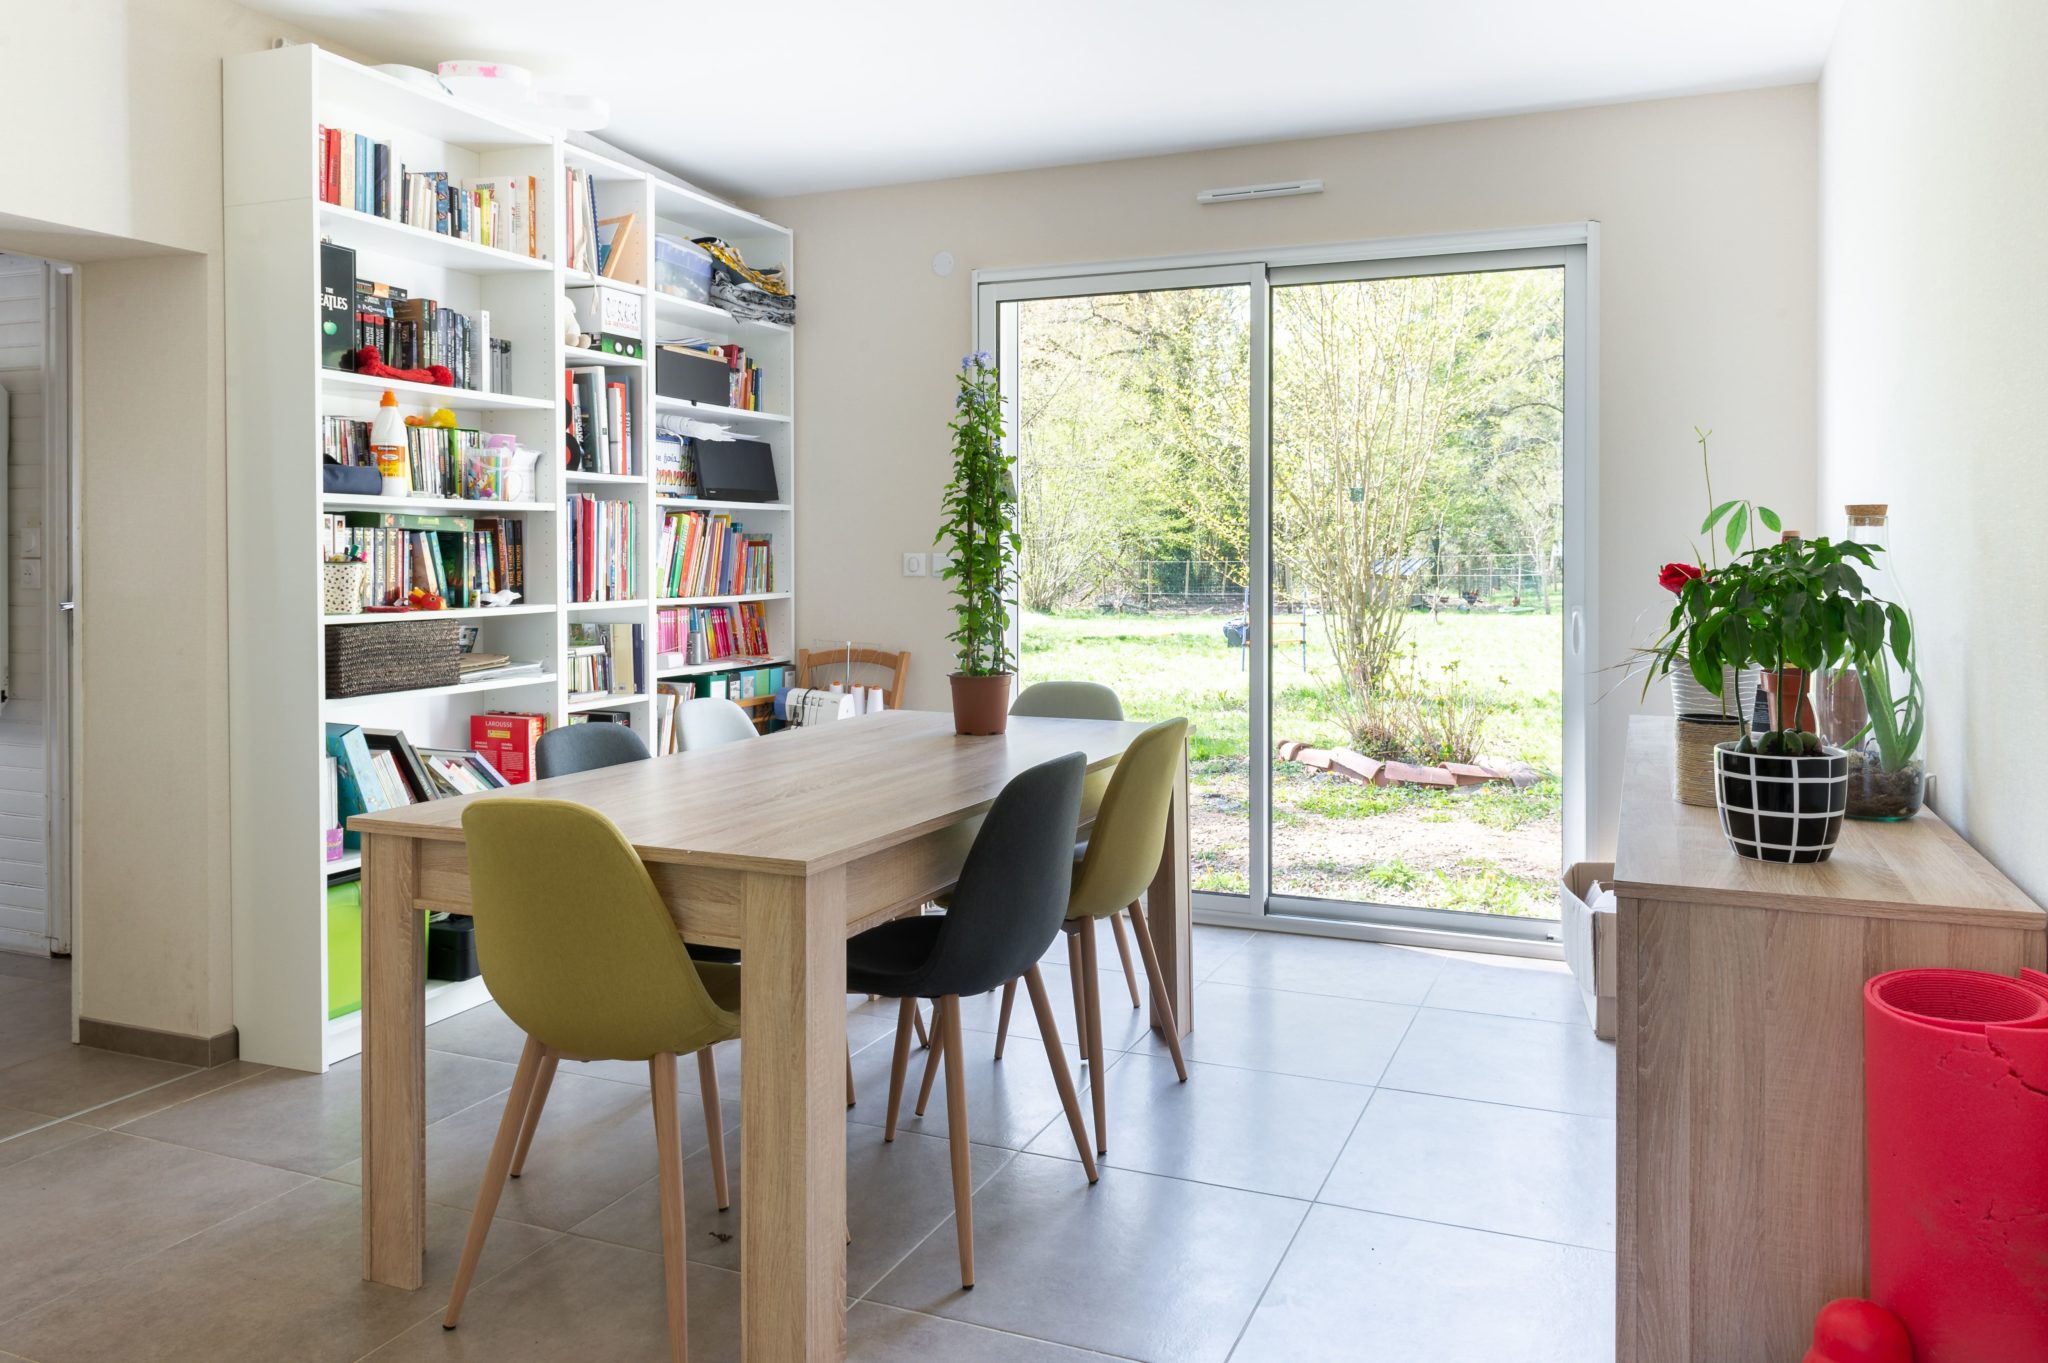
x: 1331, y: 510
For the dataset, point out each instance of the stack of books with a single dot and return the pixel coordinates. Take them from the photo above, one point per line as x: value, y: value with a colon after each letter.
x: 710, y: 554
x: 604, y: 548
x: 458, y: 558
x: 689, y: 635
x: 364, y: 175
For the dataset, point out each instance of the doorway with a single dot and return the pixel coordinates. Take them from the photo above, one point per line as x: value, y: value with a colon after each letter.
x: 1331, y: 506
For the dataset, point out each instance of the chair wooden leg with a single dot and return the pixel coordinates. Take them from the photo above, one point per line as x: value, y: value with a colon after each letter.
x: 714, y: 1124
x: 1143, y: 932
x: 931, y: 1064
x: 541, y: 1083
x: 1123, y: 949
x: 1091, y: 984
x: 1061, y: 1077
x: 494, y: 1177
x: 1003, y: 1023
x: 917, y: 1020
x: 899, y: 1065
x: 675, y: 1264
x: 956, y: 1129
x: 1080, y: 993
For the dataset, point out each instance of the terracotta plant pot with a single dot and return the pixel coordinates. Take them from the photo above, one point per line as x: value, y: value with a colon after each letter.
x: 981, y: 705
x: 1784, y: 714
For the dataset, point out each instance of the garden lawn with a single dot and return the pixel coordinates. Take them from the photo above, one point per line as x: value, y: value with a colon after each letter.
x: 1492, y: 849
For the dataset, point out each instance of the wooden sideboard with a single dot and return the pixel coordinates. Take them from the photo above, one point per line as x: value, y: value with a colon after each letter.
x: 1739, y: 1196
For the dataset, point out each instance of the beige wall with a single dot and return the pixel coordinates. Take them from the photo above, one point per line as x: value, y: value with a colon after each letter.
x: 116, y: 163
x: 1934, y: 211
x: 1708, y: 300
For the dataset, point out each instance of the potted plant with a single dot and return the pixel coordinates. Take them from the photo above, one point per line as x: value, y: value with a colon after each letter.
x: 1796, y: 605
x: 981, y: 521
x: 1873, y: 709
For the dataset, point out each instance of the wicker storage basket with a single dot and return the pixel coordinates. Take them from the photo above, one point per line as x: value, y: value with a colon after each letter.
x: 363, y: 660
x: 1692, y: 757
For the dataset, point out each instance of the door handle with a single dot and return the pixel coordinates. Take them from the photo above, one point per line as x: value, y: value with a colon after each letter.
x: 1578, y: 634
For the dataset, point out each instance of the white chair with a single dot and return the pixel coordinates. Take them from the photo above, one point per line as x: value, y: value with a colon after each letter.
x: 709, y: 721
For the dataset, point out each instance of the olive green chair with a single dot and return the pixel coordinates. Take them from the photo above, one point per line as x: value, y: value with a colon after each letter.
x: 1074, y: 700
x: 579, y: 950
x: 1111, y: 878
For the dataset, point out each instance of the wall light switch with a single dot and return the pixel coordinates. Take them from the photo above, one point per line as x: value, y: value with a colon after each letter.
x: 913, y: 565
x: 940, y: 558
x: 31, y: 543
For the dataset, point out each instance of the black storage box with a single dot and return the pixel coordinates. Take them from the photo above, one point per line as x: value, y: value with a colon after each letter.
x: 337, y: 306
x: 451, y: 950
x: 692, y: 376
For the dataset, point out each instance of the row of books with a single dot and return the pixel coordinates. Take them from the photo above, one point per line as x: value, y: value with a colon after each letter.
x: 579, y: 206
x: 443, y: 461
x: 685, y: 636
x: 743, y: 376
x: 371, y: 770
x: 457, y: 558
x: 600, y: 432
x: 604, y: 549
x: 604, y: 660
x: 404, y: 331
x: 710, y: 554
x: 360, y: 173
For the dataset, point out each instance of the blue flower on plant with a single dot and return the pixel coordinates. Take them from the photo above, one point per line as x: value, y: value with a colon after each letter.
x: 979, y: 359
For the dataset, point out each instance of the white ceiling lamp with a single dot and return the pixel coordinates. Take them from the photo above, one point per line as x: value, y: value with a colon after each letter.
x: 1245, y: 193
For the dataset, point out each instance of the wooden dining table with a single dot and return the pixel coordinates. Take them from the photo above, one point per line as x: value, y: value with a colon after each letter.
x: 782, y: 848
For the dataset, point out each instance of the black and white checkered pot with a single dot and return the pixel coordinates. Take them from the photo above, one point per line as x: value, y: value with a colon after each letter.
x: 1781, y: 808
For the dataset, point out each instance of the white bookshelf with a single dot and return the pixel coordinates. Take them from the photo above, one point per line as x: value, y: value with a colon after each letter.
x: 277, y: 393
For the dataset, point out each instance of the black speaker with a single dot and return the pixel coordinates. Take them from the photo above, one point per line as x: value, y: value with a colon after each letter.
x: 735, y: 471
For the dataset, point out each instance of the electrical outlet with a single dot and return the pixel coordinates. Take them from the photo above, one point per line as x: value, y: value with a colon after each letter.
x: 28, y: 574
x: 913, y: 565
x: 939, y: 561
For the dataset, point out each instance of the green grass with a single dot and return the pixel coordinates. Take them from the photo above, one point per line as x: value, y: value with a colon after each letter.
x: 1179, y: 665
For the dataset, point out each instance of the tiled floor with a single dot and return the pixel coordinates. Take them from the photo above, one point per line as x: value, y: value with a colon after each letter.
x: 1380, y: 1154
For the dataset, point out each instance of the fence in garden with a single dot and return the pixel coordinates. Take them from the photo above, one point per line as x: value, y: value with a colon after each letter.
x: 1202, y: 586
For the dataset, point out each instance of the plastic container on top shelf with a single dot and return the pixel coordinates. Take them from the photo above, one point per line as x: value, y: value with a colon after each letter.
x: 682, y: 268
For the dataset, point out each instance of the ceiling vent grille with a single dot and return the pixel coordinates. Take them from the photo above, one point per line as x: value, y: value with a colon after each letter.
x: 1244, y: 193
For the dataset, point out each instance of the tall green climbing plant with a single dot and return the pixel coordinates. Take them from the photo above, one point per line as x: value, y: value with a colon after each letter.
x: 980, y: 507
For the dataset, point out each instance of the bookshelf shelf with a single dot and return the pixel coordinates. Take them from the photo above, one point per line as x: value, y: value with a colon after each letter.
x: 705, y: 504
x: 577, y: 707
x: 341, y: 502
x: 713, y: 412
x: 721, y: 665
x: 342, y: 383
x: 348, y: 704
x: 369, y: 231
x: 460, y: 613
x: 721, y: 600
x: 575, y: 355
x: 274, y: 219
x: 711, y: 320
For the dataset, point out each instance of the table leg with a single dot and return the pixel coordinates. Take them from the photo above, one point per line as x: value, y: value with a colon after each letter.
x: 793, y: 1118
x: 1169, y: 912
x: 394, y: 1065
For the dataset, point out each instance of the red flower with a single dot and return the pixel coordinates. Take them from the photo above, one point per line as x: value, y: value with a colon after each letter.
x: 1676, y: 575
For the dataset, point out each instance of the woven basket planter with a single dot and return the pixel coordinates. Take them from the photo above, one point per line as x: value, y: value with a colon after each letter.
x: 364, y: 660
x: 1692, y: 756
x: 1786, y: 809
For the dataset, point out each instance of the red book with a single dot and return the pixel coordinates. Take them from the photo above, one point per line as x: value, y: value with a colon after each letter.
x: 507, y: 740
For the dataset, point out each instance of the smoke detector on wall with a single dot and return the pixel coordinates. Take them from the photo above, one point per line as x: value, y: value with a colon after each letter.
x: 1244, y: 193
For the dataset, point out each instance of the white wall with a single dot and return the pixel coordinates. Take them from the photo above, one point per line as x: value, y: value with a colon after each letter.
x: 1708, y: 309
x: 1934, y: 193
x: 24, y: 766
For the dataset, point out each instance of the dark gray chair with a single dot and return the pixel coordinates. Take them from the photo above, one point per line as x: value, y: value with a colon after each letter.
x: 1010, y: 900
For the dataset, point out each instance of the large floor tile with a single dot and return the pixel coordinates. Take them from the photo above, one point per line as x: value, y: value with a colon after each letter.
x: 1009, y: 1101
x: 1554, y: 1065
x: 884, y: 1334
x: 579, y: 1299
x: 1518, y: 1170
x: 37, y: 1140
x: 1544, y: 990
x: 1359, y: 1286
x: 1137, y: 1266
x: 1317, y: 1036
x: 35, y: 1019
x: 310, y: 1122
x: 281, y: 1281
x: 595, y: 1143
x: 43, y: 969
x: 70, y: 1080
x: 183, y: 1089
x: 1123, y: 1026
x: 897, y: 1194
x: 1270, y: 1133
x: 98, y: 1203
x: 1329, y: 965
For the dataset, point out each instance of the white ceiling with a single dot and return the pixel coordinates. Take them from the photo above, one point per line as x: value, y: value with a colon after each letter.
x: 787, y: 96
